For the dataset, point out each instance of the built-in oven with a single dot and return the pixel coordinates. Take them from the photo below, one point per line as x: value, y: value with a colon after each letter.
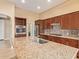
x: 20, y: 29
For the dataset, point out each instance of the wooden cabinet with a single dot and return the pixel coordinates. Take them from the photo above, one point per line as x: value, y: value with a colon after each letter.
x: 40, y: 26
x: 47, y: 24
x: 44, y: 37
x: 51, y: 38
x: 75, y: 20
x: 56, y: 19
x: 71, y: 42
x: 65, y: 41
x: 20, y: 21
x: 55, y: 39
x: 70, y: 21
x: 65, y: 21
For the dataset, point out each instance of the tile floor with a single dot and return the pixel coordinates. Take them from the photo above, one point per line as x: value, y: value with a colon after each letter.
x: 5, y: 44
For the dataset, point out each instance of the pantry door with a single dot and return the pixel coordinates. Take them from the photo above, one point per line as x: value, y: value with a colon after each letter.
x: 1, y: 29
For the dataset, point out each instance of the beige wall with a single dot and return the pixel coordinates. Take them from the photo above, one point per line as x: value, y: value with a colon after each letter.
x: 30, y: 16
x: 8, y: 9
x: 67, y: 7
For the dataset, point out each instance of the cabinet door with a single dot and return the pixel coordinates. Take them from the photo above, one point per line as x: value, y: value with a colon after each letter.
x: 58, y: 19
x: 44, y: 37
x: 65, y: 21
x: 57, y: 39
x: 41, y: 26
x: 72, y: 43
x: 70, y: 21
x: 47, y: 24
x: 75, y: 20
x: 51, y: 38
x: 20, y: 21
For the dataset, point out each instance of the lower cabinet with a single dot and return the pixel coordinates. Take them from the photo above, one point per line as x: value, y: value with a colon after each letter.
x: 72, y: 43
x: 65, y: 41
x: 44, y: 37
x: 51, y: 38
x: 78, y: 51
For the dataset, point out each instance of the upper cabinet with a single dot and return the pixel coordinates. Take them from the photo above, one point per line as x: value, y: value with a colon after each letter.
x: 47, y: 23
x: 39, y: 26
x: 75, y: 20
x: 67, y: 21
x: 56, y: 19
x: 70, y: 21
x: 20, y: 21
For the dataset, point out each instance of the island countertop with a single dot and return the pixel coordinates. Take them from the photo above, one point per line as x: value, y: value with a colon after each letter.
x: 51, y: 50
x: 7, y: 53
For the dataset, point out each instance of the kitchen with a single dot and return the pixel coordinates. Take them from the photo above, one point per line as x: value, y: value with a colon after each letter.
x: 48, y: 33
x: 61, y: 29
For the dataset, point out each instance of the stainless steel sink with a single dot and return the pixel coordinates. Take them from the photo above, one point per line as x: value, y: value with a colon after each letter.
x: 42, y: 41
x: 39, y: 40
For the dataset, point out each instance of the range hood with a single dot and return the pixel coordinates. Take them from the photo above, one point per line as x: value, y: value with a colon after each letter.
x: 2, y: 16
x: 55, y: 24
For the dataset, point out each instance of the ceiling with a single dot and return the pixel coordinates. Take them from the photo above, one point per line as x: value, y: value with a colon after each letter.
x: 37, y: 6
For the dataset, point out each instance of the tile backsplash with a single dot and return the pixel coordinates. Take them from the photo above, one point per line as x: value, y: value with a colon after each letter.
x: 64, y: 32
x: 74, y: 32
x: 67, y: 32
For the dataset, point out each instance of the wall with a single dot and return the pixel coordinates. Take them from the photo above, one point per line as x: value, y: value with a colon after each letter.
x: 8, y: 9
x: 67, y: 7
x: 30, y: 16
x: 1, y: 29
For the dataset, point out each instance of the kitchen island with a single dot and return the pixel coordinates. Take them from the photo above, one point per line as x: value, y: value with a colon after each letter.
x: 26, y: 48
x: 7, y: 53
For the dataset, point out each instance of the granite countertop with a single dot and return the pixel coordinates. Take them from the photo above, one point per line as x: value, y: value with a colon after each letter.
x: 71, y: 37
x: 27, y: 49
x: 7, y: 53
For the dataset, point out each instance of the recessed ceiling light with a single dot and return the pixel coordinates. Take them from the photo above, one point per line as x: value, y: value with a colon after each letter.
x: 38, y: 7
x: 23, y: 1
x: 49, y: 0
